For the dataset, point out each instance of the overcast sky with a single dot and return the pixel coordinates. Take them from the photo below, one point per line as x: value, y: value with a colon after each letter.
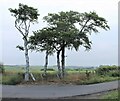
x: 105, y: 44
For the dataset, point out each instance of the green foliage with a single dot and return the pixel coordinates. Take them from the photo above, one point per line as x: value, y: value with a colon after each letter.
x: 96, y: 79
x: 42, y: 40
x: 65, y: 25
x: 114, y: 73
x: 62, y: 32
x: 25, y: 13
x: 48, y: 69
x: 2, y: 69
x: 12, y: 79
x: 111, y: 95
x: 104, y: 70
x: 69, y: 69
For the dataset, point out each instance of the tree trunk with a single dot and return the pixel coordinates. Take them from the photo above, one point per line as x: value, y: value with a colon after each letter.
x: 58, y: 64
x: 46, y: 64
x: 27, y: 60
x: 63, y: 62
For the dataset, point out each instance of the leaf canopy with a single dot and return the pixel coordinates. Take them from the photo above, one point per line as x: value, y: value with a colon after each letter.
x: 70, y: 29
x: 25, y: 13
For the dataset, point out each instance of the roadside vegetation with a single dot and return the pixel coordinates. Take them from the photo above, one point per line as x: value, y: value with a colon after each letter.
x: 2, y: 69
x: 111, y: 95
x: 12, y: 79
x: 15, y: 75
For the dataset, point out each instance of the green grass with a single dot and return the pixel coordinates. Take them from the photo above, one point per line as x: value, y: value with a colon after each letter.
x: 21, y: 69
x: 72, y: 76
x: 12, y: 79
x: 97, y: 79
x: 111, y: 95
x: 13, y: 69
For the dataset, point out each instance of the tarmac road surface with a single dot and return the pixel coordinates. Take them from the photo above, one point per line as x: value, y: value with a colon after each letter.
x: 54, y: 91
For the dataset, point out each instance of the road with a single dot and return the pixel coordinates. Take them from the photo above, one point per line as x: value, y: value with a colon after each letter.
x: 54, y: 91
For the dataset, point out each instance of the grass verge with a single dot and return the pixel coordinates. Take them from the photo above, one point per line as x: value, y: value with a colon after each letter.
x: 12, y: 79
x: 111, y: 95
x: 97, y: 79
x: 76, y: 78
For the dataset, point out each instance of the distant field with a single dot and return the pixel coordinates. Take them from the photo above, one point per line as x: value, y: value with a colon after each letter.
x: 21, y: 69
x: 37, y: 69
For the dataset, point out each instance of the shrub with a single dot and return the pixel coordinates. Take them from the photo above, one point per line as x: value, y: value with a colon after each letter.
x: 103, y: 70
x: 49, y: 69
x: 12, y: 79
x: 114, y: 74
x: 2, y: 69
x: 111, y: 95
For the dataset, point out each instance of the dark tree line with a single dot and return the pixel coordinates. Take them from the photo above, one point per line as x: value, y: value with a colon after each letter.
x: 64, y: 30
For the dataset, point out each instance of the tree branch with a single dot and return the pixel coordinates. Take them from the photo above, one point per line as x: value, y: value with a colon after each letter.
x: 26, y: 31
x: 84, y: 25
x: 28, y: 26
x: 18, y: 27
x: 55, y: 47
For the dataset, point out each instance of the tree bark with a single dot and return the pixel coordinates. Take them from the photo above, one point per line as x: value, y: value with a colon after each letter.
x: 27, y: 59
x: 46, y: 64
x: 58, y: 64
x: 63, y: 62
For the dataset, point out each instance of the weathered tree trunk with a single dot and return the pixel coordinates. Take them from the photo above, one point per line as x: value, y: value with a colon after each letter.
x: 63, y: 62
x: 58, y: 64
x: 27, y: 59
x: 46, y: 64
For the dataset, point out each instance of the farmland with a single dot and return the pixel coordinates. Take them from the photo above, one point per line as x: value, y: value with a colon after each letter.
x: 14, y: 75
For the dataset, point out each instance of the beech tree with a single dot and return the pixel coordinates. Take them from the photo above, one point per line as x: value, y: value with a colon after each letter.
x: 63, y: 25
x: 24, y: 16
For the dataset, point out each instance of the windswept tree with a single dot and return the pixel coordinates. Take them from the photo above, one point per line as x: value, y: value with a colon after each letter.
x: 63, y: 25
x: 73, y: 30
x: 24, y: 16
x: 46, y: 40
x: 41, y: 41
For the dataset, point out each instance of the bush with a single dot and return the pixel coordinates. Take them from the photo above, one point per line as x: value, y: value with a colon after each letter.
x: 111, y: 95
x: 12, y: 79
x: 114, y: 74
x: 49, y: 69
x: 2, y: 69
x: 103, y: 70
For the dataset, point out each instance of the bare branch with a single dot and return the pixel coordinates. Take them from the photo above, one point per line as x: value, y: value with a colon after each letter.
x: 55, y: 47
x: 19, y: 28
x: 84, y: 25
